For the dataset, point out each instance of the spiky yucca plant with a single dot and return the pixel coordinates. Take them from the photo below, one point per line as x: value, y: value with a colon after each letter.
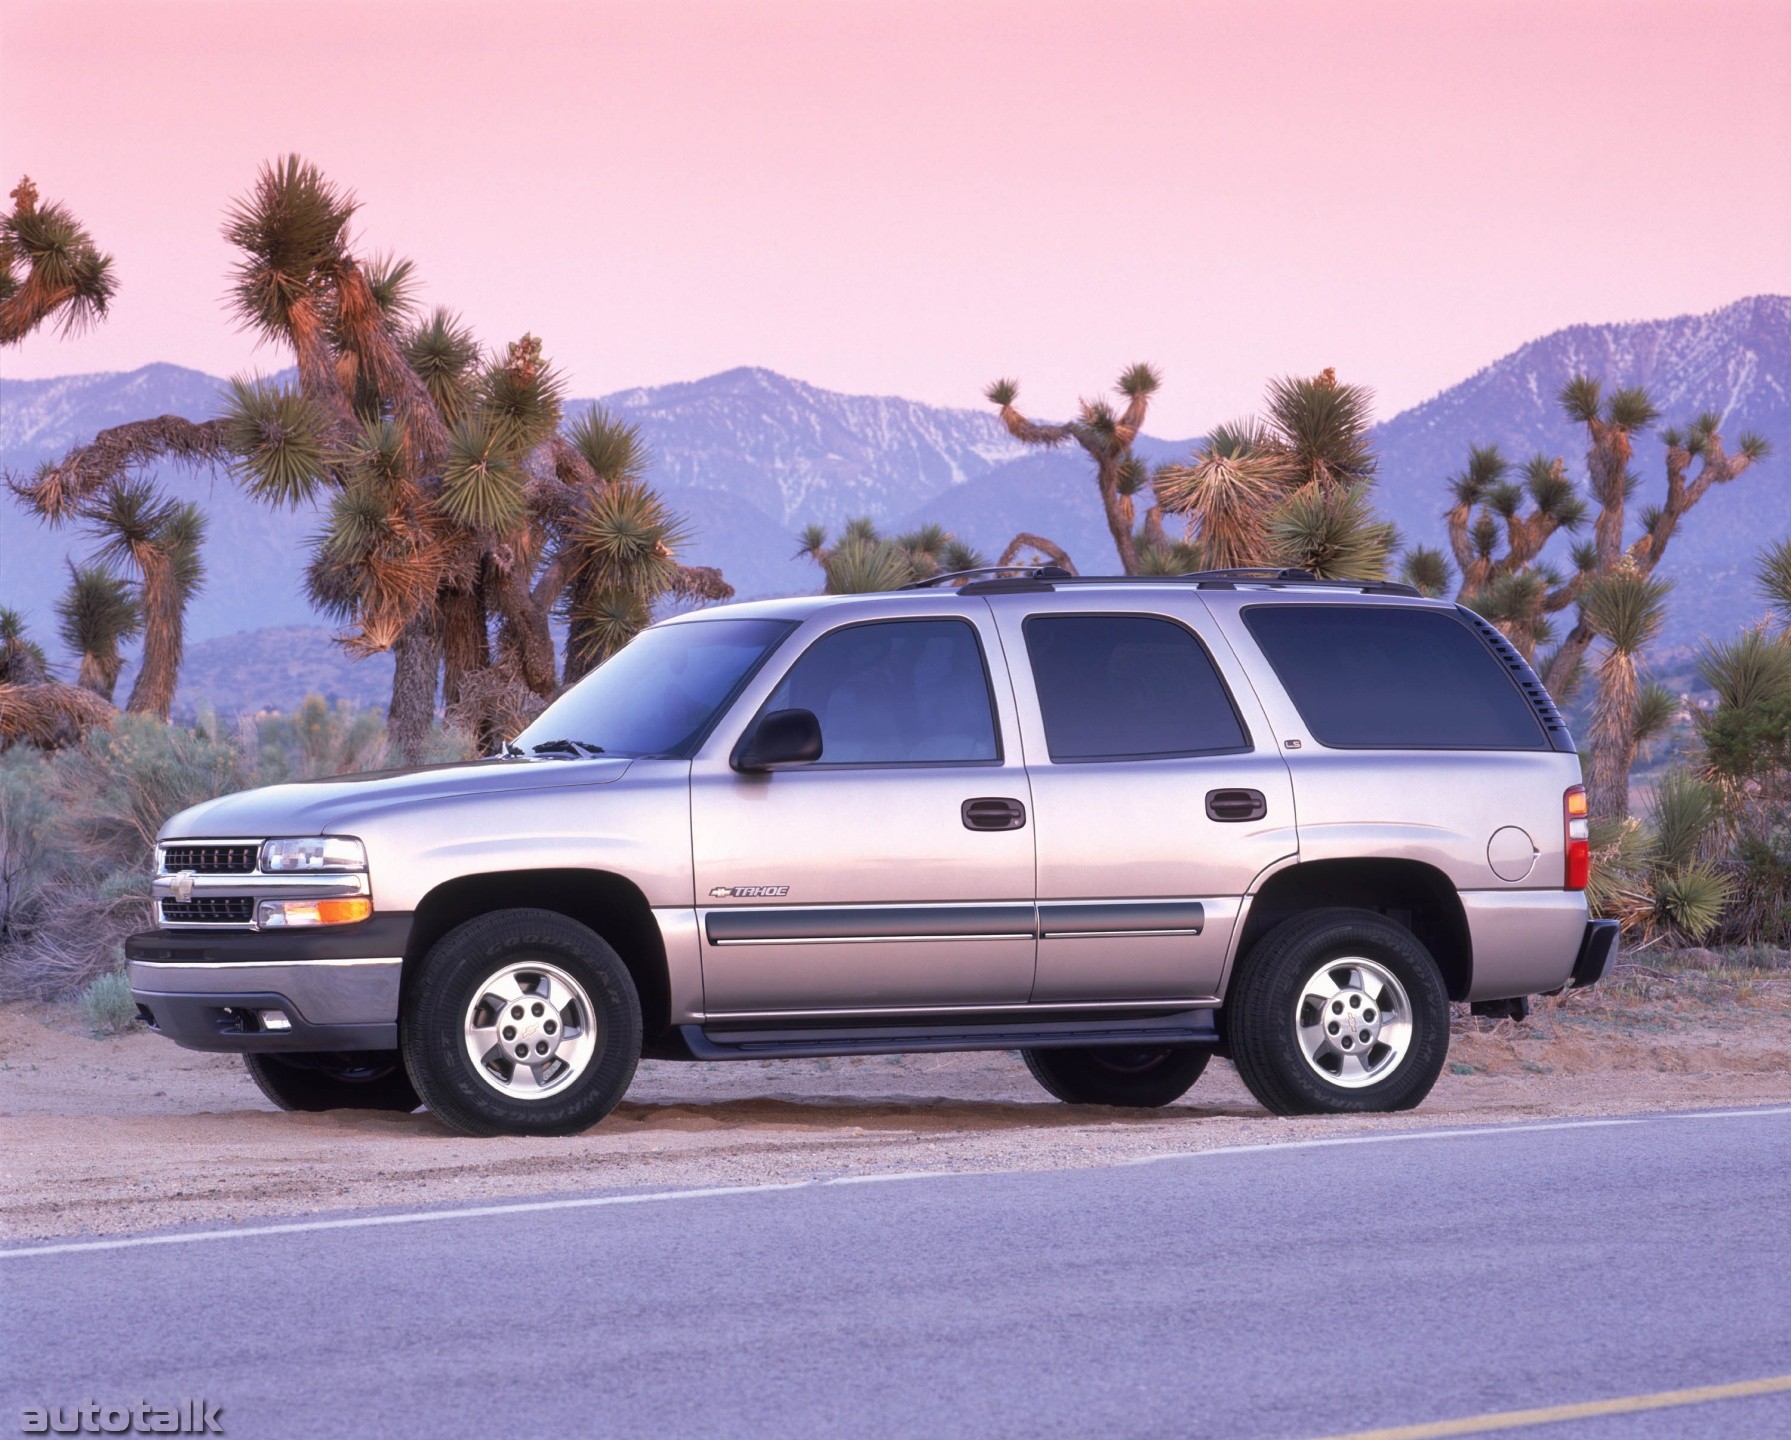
x: 1290, y: 488
x: 863, y: 560
x: 1229, y: 488
x: 50, y: 269
x: 1627, y: 610
x: 1426, y: 570
x: 98, y: 613
x: 22, y: 660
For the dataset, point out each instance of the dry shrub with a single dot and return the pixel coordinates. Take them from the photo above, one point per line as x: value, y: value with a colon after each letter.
x: 78, y: 825
x: 49, y: 716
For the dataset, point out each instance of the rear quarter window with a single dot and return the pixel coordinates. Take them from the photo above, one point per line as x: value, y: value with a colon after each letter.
x: 1393, y: 677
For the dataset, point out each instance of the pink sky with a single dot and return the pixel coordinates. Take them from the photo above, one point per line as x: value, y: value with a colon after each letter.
x: 915, y: 198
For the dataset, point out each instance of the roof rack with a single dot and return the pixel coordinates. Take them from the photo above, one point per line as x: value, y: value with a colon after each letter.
x: 979, y: 572
x: 1011, y: 579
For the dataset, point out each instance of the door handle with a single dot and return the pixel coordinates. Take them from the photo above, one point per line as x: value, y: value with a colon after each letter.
x: 992, y: 813
x: 1235, y: 805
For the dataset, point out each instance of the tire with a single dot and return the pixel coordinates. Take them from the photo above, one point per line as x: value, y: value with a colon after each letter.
x: 1135, y: 1076
x: 1310, y: 991
x: 529, y: 981
x: 367, y: 1080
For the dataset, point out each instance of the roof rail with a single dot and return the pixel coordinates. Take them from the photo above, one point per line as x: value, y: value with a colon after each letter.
x: 993, y: 579
x: 977, y: 572
x: 1267, y: 575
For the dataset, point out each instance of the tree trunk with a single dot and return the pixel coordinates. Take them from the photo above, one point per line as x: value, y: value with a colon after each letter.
x: 466, y: 644
x: 1613, y: 737
x: 164, y: 638
x: 99, y: 673
x: 1120, y: 516
x: 418, y: 656
x: 1557, y: 679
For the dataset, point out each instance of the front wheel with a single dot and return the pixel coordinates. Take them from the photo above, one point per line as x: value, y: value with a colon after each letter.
x: 1336, y: 1012
x: 373, y: 1080
x: 1135, y: 1076
x: 523, y: 1022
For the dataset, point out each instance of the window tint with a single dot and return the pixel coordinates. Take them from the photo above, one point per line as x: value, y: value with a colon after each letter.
x: 895, y: 692
x: 1393, y: 677
x: 1118, y: 687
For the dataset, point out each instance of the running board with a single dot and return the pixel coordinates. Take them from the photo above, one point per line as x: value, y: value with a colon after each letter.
x: 1188, y: 1027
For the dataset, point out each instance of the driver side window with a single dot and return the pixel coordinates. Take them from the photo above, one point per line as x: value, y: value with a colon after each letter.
x: 896, y: 692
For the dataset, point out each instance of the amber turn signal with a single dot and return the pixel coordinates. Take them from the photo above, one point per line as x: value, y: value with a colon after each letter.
x: 281, y: 914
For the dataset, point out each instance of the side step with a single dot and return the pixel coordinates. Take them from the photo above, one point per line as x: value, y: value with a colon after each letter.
x: 1187, y: 1027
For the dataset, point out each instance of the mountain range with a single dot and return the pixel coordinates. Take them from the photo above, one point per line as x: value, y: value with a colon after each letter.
x: 749, y: 457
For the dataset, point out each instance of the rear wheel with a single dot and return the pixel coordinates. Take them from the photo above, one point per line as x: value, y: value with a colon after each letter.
x: 368, y: 1080
x: 523, y: 1022
x: 1339, y: 1011
x: 1138, y: 1076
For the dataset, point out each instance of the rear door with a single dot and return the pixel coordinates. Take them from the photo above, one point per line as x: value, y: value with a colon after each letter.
x: 1158, y: 792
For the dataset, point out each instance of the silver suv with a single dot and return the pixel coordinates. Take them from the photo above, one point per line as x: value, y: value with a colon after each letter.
x: 1116, y: 825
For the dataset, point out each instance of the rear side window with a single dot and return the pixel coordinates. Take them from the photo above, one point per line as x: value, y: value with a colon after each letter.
x: 1392, y: 677
x: 1128, y: 687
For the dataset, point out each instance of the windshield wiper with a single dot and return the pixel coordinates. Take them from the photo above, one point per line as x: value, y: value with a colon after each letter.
x: 573, y: 748
x: 512, y: 750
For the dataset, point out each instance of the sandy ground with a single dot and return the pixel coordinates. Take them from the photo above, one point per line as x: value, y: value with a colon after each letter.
x: 107, y: 1135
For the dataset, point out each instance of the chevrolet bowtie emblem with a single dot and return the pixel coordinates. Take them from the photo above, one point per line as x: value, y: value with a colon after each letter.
x: 183, y: 886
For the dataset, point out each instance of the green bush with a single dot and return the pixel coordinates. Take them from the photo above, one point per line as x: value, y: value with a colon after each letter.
x: 107, y: 1004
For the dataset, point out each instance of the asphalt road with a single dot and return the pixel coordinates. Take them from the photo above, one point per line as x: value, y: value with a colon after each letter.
x: 1273, y: 1292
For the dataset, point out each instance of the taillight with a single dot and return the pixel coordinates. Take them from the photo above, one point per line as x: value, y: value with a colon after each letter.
x: 1579, y: 840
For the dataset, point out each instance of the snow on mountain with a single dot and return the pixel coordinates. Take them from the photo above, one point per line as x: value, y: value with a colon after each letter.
x: 799, y: 453
x: 1735, y: 361
x: 748, y: 457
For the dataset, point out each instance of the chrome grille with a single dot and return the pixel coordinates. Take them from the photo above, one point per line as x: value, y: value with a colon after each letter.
x: 210, y: 859
x: 210, y: 910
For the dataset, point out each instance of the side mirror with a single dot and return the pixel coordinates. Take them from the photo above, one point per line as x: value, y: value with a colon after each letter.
x: 784, y: 737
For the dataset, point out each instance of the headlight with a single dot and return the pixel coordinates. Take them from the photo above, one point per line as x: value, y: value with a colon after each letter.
x: 283, y: 914
x: 313, y: 852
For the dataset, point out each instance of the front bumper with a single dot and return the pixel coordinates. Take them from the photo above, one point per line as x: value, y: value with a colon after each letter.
x: 309, y: 991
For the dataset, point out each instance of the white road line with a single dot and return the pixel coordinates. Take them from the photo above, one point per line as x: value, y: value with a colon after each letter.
x: 594, y: 1202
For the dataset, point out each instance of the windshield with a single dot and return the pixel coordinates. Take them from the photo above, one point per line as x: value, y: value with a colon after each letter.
x: 658, y: 694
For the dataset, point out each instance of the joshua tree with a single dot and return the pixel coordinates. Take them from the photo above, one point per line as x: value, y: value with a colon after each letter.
x: 1627, y: 609
x: 459, y: 518
x: 98, y: 613
x: 863, y: 561
x: 140, y: 532
x: 1107, y: 437
x: 1290, y: 488
x: 1611, y: 426
x: 49, y: 269
x: 1499, y: 525
x: 1496, y: 549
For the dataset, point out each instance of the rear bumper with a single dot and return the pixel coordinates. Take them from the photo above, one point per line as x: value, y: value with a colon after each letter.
x: 1598, y: 952
x: 1524, y: 941
x: 259, y: 991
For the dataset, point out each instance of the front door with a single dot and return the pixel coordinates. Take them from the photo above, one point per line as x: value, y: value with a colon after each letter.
x: 895, y: 872
x: 1159, y: 793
